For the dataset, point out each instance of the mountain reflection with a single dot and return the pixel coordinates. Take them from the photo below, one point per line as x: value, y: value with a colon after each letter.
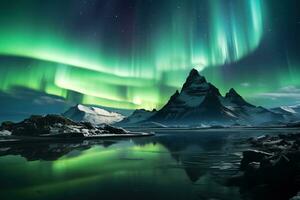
x: 169, y: 165
x: 189, y: 152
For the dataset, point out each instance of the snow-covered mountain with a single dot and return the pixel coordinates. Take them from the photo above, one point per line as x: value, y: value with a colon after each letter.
x: 137, y: 116
x: 248, y: 113
x: 291, y: 113
x: 93, y: 115
x: 197, y: 102
x: 201, y: 102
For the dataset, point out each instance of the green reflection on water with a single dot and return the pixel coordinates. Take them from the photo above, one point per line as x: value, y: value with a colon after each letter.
x: 122, y: 170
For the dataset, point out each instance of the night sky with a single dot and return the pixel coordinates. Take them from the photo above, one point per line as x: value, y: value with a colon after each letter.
x: 135, y: 53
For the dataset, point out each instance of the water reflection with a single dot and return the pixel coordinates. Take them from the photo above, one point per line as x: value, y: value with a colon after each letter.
x: 181, y: 165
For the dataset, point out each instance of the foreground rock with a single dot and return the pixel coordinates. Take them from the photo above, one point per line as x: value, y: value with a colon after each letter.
x: 273, y: 166
x: 59, y: 126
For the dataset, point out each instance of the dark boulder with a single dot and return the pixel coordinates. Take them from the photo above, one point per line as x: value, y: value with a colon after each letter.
x: 275, y: 173
x: 114, y: 130
x: 88, y: 125
x: 253, y: 156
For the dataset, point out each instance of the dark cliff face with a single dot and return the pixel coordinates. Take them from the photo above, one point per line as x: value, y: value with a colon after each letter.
x: 211, y: 110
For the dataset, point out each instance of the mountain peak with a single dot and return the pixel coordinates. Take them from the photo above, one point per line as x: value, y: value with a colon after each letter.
x: 194, y: 78
x: 232, y: 93
x: 197, y: 86
x: 235, y: 98
x: 200, y: 101
x: 194, y: 72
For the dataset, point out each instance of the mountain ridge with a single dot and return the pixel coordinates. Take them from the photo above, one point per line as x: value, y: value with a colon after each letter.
x: 200, y: 102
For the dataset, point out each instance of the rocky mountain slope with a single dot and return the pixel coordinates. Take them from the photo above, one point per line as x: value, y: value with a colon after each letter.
x: 137, y: 116
x: 56, y: 125
x: 200, y: 102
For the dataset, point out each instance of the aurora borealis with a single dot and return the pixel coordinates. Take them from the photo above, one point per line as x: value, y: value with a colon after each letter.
x: 135, y: 53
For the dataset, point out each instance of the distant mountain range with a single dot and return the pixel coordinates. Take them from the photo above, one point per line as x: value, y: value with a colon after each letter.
x: 138, y: 116
x: 94, y: 115
x: 291, y: 113
x: 200, y: 103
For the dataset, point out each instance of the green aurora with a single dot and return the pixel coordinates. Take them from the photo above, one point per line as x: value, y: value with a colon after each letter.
x: 127, y: 61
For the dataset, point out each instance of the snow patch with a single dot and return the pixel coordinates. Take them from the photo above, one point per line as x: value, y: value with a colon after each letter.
x: 288, y: 109
x: 5, y: 133
x: 93, y: 115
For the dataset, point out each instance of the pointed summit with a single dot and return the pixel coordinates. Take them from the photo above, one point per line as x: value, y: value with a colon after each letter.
x: 194, y: 78
x: 197, y: 86
x: 233, y: 97
x: 194, y: 72
x: 232, y: 93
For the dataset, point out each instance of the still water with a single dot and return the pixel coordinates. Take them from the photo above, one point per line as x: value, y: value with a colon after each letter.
x: 171, y: 165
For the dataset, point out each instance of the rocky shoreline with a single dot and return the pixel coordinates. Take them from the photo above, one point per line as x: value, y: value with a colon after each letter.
x: 270, y: 168
x: 57, y: 126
